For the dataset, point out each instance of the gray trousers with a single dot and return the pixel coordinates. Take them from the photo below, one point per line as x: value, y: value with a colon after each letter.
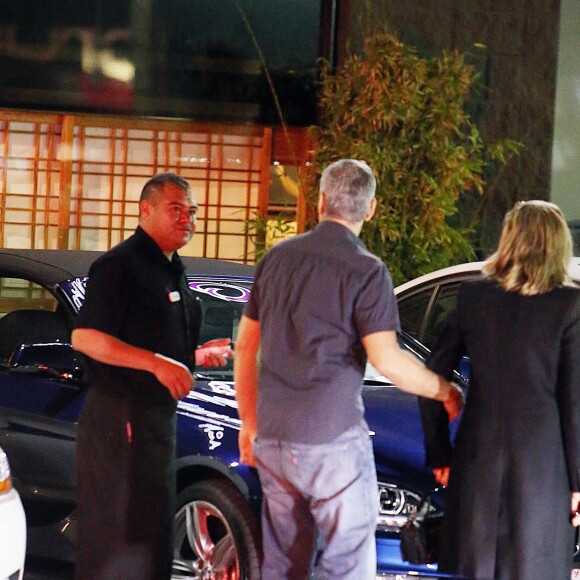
x: 328, y: 490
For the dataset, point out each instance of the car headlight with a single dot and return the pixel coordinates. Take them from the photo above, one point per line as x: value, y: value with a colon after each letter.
x: 396, y: 504
x: 5, y: 479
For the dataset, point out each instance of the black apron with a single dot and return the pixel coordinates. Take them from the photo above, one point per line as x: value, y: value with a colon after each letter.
x: 125, y: 489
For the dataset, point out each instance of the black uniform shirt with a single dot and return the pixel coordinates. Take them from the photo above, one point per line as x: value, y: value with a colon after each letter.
x: 137, y: 295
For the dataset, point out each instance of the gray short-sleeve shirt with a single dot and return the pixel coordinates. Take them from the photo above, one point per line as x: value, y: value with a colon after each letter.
x: 315, y: 296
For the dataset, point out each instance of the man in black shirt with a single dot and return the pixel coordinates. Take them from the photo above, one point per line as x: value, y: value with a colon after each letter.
x: 138, y: 329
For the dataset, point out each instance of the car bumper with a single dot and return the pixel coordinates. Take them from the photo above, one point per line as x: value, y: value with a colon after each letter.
x: 390, y: 565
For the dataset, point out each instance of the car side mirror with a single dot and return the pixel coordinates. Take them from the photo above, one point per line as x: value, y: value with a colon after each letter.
x: 54, y: 359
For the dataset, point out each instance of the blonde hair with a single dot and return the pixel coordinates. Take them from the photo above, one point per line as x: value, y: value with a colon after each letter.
x: 534, y: 250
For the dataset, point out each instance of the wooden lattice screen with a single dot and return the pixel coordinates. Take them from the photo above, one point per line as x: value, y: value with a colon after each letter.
x: 74, y: 181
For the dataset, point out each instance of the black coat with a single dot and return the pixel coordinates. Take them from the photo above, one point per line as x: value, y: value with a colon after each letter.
x: 516, y: 457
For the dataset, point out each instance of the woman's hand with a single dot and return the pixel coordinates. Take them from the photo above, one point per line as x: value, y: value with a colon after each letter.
x: 441, y: 475
x: 455, y: 402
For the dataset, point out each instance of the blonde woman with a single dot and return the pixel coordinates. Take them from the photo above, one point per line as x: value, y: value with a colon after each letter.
x: 514, y: 470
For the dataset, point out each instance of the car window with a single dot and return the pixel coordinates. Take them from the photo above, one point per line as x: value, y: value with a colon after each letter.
x: 28, y: 315
x: 222, y: 302
x: 220, y: 319
x: 412, y: 311
x: 442, y: 305
x: 17, y: 293
x: 372, y: 375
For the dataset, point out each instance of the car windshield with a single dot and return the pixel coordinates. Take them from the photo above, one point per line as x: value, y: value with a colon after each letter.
x: 222, y: 299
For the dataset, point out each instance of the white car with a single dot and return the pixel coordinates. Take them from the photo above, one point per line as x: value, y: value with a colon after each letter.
x: 12, y: 526
x: 425, y: 302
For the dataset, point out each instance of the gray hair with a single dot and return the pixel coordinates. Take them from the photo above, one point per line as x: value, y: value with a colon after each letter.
x: 350, y: 187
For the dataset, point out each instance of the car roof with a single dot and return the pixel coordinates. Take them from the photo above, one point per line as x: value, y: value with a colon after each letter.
x: 472, y: 268
x: 451, y: 271
x: 50, y: 267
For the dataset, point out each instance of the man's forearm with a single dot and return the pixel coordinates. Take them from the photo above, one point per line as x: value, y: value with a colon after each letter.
x: 412, y: 376
x: 110, y: 350
x: 246, y: 381
x: 246, y: 370
x: 402, y: 369
x: 172, y: 374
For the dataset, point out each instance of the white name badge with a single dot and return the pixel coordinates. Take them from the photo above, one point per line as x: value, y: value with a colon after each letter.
x: 174, y: 296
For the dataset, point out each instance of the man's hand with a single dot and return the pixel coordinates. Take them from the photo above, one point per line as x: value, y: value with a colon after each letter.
x: 246, y: 440
x: 214, y: 353
x: 575, y: 508
x: 173, y: 375
x: 454, y: 402
x: 441, y: 475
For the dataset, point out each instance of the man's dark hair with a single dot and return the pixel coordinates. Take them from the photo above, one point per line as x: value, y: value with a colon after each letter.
x: 156, y: 183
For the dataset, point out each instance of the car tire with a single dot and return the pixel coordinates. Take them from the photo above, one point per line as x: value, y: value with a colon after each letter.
x: 216, y: 535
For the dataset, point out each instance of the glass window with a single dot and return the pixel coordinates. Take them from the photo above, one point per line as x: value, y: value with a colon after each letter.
x: 442, y: 306
x: 374, y: 377
x: 28, y: 315
x: 222, y: 305
x: 16, y: 293
x: 200, y: 59
x: 412, y: 312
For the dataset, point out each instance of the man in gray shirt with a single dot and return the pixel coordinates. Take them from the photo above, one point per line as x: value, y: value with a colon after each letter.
x: 321, y: 303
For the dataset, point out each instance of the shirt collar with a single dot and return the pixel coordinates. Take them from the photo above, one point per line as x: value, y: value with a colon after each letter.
x: 337, y: 230
x: 156, y: 253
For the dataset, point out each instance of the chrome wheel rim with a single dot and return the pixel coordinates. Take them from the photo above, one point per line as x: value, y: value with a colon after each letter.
x: 204, y: 544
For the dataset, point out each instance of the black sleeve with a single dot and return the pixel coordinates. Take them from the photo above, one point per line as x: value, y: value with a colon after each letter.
x: 445, y: 356
x: 449, y: 348
x: 569, y: 394
x: 435, y: 422
x: 105, y: 306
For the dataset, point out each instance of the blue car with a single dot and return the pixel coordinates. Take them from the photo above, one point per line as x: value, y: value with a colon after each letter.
x: 217, y: 518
